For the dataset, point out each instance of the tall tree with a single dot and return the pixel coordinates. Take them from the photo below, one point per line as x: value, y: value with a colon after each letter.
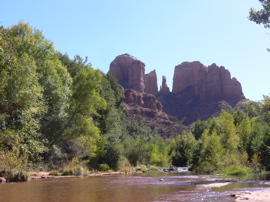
x: 21, y: 104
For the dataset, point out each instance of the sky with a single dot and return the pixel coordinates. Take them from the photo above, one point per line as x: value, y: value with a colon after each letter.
x: 160, y: 33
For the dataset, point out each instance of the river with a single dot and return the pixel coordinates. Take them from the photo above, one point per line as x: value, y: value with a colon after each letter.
x: 152, y: 187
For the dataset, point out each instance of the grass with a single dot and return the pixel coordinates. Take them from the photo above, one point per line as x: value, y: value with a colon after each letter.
x: 75, y: 167
x: 234, y: 170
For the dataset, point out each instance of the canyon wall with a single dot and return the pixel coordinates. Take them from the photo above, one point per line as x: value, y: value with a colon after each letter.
x: 151, y: 83
x: 198, y: 91
x: 208, y: 83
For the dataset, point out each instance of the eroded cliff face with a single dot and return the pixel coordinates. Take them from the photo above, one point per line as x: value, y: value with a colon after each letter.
x: 144, y: 100
x: 198, y: 91
x: 151, y: 83
x: 129, y: 71
x: 207, y: 83
x: 145, y: 107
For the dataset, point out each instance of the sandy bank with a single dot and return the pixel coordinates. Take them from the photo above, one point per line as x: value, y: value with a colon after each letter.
x: 220, y: 184
x: 46, y: 175
x: 255, y: 196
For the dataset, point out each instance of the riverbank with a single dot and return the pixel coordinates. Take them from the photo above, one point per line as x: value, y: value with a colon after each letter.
x: 47, y: 175
x: 258, y: 196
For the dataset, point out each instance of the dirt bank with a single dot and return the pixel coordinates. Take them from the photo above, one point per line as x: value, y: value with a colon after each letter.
x: 46, y: 175
x: 255, y: 196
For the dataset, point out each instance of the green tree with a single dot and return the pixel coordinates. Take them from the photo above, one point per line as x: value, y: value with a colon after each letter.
x: 261, y: 16
x: 21, y: 104
x: 226, y: 129
x: 211, y: 151
x: 51, y: 74
x: 198, y: 127
x: 184, y: 149
x: 84, y: 104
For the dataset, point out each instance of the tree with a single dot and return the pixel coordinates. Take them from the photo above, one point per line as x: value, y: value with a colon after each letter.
x: 226, y: 129
x: 261, y: 16
x: 184, y: 149
x: 51, y: 75
x: 84, y: 105
x: 21, y: 100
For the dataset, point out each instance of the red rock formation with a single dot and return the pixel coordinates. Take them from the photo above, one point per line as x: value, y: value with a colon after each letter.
x: 208, y: 83
x: 198, y: 91
x: 164, y: 89
x: 146, y: 108
x: 150, y: 81
x: 143, y: 99
x: 129, y: 71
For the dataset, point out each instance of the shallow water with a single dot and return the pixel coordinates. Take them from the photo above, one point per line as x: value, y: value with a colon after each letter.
x: 140, y: 187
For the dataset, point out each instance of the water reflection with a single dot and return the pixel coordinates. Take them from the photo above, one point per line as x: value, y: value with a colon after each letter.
x: 140, y: 187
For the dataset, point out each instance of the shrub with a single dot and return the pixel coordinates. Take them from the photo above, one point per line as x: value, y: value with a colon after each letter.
x: 234, y: 170
x: 54, y: 173
x: 152, y: 168
x: 142, y: 168
x: 75, y: 167
x: 67, y: 171
x: 15, y: 175
x: 13, y: 167
x: 124, y: 166
x: 103, y: 167
x: 205, y: 167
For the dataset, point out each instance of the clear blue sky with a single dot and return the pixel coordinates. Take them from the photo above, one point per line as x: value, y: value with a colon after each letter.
x: 161, y: 33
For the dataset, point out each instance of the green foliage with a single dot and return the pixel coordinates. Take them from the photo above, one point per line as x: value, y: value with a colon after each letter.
x: 54, y: 173
x: 103, y: 167
x: 234, y: 170
x: 76, y: 167
x: 183, y: 149
x: 261, y: 16
x: 158, y: 152
x: 234, y: 139
x: 198, y: 127
x: 227, y: 131
x: 142, y: 168
x: 13, y: 167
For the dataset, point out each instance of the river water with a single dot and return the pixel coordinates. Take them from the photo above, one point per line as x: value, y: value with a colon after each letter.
x: 152, y: 187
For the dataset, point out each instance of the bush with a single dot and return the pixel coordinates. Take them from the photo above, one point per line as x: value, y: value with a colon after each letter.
x: 103, y: 167
x: 12, y: 167
x: 75, y: 167
x: 15, y: 176
x: 124, y: 166
x: 205, y: 167
x: 54, y: 173
x: 67, y: 171
x: 142, y: 168
x: 152, y: 168
x: 234, y: 170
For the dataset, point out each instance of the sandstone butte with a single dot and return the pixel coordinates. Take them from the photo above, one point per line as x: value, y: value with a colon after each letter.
x: 198, y: 91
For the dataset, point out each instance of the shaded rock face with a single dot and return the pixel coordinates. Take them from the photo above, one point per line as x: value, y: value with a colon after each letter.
x: 151, y: 83
x: 146, y: 108
x: 129, y: 71
x: 208, y: 83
